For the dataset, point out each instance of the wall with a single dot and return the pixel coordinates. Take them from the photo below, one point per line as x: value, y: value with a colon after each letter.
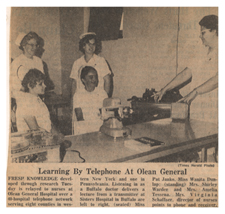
x: 45, y: 22
x: 149, y: 55
x: 146, y: 56
x: 71, y: 27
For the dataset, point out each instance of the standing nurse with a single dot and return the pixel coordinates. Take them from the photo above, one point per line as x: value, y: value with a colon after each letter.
x: 28, y: 43
x: 91, y: 46
x: 204, y: 73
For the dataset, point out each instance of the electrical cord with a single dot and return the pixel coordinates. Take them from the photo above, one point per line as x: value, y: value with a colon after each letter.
x: 78, y: 154
x: 63, y: 149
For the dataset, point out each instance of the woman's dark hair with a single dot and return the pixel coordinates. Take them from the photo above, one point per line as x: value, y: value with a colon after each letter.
x: 210, y: 22
x: 86, y: 40
x: 31, y: 78
x: 40, y: 48
x: 28, y: 37
x: 85, y: 70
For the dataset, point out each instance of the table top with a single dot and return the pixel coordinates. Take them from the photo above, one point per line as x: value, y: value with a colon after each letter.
x: 97, y: 147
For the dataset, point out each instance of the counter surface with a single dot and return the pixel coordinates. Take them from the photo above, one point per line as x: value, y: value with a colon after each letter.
x: 97, y: 147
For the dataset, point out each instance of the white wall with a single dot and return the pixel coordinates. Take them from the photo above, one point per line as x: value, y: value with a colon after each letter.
x: 146, y: 56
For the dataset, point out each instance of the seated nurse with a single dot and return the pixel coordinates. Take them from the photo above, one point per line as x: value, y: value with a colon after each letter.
x: 87, y: 103
x: 32, y: 113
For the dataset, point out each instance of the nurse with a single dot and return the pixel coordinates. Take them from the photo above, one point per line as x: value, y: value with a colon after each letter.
x: 32, y: 113
x: 87, y: 103
x: 28, y: 43
x: 203, y: 97
x: 90, y: 46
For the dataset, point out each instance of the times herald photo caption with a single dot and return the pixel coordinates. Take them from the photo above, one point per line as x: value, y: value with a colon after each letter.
x: 113, y: 107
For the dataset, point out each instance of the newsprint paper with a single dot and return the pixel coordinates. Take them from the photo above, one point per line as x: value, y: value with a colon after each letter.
x: 113, y: 107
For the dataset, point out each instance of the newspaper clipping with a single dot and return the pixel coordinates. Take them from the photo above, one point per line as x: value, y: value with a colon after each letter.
x: 113, y: 107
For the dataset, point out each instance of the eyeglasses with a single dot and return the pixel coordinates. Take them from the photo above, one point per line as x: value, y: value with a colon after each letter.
x: 203, y: 32
x: 41, y: 83
x: 33, y: 45
x: 91, y: 44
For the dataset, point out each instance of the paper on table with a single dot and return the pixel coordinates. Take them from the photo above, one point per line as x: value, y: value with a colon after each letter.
x: 137, y: 146
x: 142, y: 144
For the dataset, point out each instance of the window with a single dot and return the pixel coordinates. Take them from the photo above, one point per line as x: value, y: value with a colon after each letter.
x: 106, y: 22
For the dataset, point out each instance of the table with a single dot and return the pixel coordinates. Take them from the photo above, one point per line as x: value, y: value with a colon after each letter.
x: 178, y: 137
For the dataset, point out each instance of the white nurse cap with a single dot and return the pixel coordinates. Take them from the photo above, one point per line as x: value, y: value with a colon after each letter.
x: 85, y: 34
x: 20, y: 38
x: 21, y: 72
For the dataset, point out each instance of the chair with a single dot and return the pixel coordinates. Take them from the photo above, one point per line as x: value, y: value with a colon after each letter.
x: 13, y: 115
